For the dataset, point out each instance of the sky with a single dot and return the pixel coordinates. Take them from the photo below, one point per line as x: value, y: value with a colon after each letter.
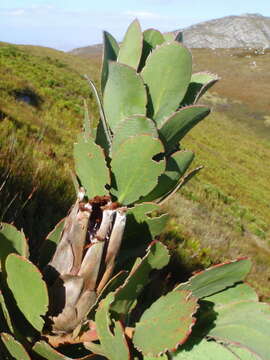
x: 68, y: 24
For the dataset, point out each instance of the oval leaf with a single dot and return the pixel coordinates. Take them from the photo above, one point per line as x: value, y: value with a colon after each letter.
x: 176, y: 166
x: 211, y: 350
x: 12, y: 240
x: 29, y: 290
x: 217, y: 278
x: 167, y: 74
x: 110, y: 52
x: 199, y: 84
x: 16, y: 350
x: 131, y: 47
x: 47, y: 352
x: 240, y: 321
x: 135, y: 171
x: 91, y: 167
x: 179, y: 124
x: 6, y: 313
x: 132, y: 126
x: 171, y: 318
x: 151, y: 39
x: 124, y: 94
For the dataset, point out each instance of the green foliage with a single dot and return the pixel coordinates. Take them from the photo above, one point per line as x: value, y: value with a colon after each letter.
x: 163, y: 317
x: 166, y: 85
x: 110, y: 52
x: 129, y: 157
x: 125, y: 298
x: 133, y: 167
x: 217, y: 278
x: 12, y: 240
x: 131, y: 48
x: 90, y: 166
x: 111, y: 344
x: 28, y: 288
x: 15, y: 349
x: 125, y: 88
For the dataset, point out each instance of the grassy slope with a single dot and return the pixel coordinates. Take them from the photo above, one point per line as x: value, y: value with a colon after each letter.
x: 221, y: 214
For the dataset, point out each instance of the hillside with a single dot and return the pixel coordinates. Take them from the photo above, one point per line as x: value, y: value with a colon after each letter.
x: 221, y: 214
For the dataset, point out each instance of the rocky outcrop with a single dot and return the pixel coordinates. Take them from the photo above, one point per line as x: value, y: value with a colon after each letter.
x: 249, y: 30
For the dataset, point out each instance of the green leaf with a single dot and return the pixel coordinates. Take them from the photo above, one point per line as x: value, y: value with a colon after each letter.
x: 135, y: 171
x: 169, y: 36
x: 49, y: 245
x: 16, y: 350
x: 6, y: 313
x: 217, y: 278
x: 238, y: 292
x: 113, y: 345
x: 141, y: 212
x: 156, y: 258
x: 124, y: 94
x: 110, y: 52
x: 241, y: 353
x: 12, y: 240
x: 170, y: 318
x: 131, y: 48
x: 151, y: 39
x: 29, y: 290
x: 140, y: 221
x: 199, y: 84
x: 91, y: 167
x: 87, y: 123
x: 240, y: 321
x: 176, y: 166
x: 132, y: 126
x: 179, y: 37
x: 211, y: 350
x: 166, y: 74
x: 180, y: 123
x: 114, y: 283
x: 44, y: 350
x: 103, y: 132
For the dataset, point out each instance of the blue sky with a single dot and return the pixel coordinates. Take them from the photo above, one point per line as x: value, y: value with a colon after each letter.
x: 66, y: 24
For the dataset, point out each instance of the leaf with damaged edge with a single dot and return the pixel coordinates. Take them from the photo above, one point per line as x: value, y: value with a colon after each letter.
x: 171, y: 316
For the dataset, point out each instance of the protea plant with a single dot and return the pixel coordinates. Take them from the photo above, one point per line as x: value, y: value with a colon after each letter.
x: 91, y: 293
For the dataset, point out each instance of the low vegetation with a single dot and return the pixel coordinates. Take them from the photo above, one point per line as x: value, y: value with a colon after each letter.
x: 222, y: 213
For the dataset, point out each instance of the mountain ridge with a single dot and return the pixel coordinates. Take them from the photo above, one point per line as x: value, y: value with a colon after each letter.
x: 234, y: 31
